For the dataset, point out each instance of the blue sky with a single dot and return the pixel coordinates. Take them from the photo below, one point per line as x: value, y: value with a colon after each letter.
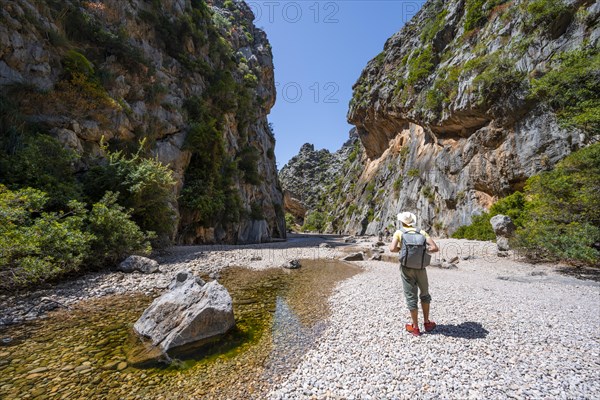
x: 319, y: 50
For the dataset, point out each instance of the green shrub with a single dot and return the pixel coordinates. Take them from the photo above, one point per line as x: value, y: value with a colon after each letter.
x: 544, y: 12
x: 290, y: 221
x: 478, y: 11
x: 75, y: 62
x: 34, y: 160
x: 398, y: 184
x: 413, y: 172
x: 144, y: 185
x: 256, y: 211
x: 247, y: 161
x: 80, y: 26
x: 250, y: 80
x: 563, y: 217
x: 572, y: 89
x: 479, y: 229
x: 475, y: 15
x: 433, y: 26
x: 115, y: 235
x: 557, y: 217
x: 498, y: 80
x: 420, y: 65
x: 427, y: 192
x: 36, y: 245
x: 314, y: 222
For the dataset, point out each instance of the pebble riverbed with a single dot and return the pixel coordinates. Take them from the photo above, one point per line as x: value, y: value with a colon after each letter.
x: 505, y: 330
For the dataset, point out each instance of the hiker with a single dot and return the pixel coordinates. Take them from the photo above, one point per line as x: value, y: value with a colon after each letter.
x: 413, y: 246
x: 386, y: 231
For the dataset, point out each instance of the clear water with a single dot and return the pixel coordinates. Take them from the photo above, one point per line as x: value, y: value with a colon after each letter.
x: 83, y: 353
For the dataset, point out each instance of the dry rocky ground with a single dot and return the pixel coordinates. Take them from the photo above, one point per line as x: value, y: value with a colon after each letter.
x: 507, y: 329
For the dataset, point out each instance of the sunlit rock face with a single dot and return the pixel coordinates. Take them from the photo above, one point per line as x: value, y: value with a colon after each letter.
x: 160, y: 71
x: 446, y: 117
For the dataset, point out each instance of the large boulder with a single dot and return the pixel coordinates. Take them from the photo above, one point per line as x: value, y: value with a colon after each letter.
x: 504, y: 229
x: 191, y: 312
x: 138, y: 263
x: 502, y: 225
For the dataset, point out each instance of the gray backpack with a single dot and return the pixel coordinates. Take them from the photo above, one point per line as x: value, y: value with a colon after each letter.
x: 413, y: 250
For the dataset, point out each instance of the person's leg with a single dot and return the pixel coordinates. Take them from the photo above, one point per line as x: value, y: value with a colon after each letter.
x: 425, y: 308
x: 409, y: 284
x: 423, y: 284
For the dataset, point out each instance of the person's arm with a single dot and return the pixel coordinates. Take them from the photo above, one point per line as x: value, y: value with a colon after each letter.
x: 431, y: 246
x: 394, y: 246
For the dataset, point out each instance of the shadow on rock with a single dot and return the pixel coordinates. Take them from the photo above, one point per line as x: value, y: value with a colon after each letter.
x: 466, y: 330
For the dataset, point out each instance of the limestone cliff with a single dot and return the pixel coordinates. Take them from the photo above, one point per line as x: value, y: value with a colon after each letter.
x: 192, y: 77
x: 307, y: 176
x: 454, y: 112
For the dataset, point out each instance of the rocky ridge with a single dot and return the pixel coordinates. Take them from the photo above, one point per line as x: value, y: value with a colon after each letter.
x: 305, y: 178
x: 447, y: 117
x: 126, y: 71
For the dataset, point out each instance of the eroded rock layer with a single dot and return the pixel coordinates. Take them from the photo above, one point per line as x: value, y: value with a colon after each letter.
x: 451, y: 115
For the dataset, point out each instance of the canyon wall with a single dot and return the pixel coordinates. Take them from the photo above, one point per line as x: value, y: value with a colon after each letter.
x: 462, y: 106
x: 192, y: 79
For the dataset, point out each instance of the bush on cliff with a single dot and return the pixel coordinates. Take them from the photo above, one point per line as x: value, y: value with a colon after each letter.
x: 557, y: 217
x: 562, y: 220
x: 572, y: 89
x: 142, y: 184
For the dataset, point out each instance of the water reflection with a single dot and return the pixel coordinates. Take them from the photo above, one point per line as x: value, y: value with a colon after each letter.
x: 291, y: 338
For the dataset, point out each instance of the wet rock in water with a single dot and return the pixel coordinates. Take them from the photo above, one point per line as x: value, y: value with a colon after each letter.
x: 191, y: 312
x: 292, y: 264
x: 325, y: 246
x: 138, y: 263
x: 376, y: 257
x: 354, y: 257
x: 350, y: 239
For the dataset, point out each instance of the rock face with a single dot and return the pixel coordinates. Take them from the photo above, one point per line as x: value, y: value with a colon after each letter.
x: 167, y: 72
x: 138, y: 263
x: 504, y: 229
x: 445, y: 117
x: 305, y: 178
x: 190, y: 312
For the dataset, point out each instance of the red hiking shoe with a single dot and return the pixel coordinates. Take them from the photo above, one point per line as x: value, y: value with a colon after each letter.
x: 413, y: 330
x: 429, y: 326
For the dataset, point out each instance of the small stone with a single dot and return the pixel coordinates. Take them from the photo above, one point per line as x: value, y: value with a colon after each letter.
x: 354, y: 257
x: 292, y: 264
x: 121, y: 366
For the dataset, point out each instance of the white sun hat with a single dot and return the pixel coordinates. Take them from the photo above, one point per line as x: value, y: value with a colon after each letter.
x: 407, y: 218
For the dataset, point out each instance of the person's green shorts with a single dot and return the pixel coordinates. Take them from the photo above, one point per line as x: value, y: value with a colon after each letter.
x: 414, y: 280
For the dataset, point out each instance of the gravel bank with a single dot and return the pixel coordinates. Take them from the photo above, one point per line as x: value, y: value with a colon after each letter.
x: 505, y: 330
